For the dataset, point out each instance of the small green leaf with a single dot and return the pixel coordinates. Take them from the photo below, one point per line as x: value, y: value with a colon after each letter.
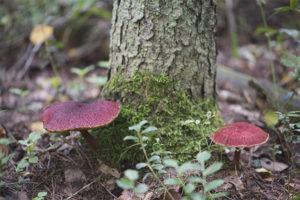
x: 195, y: 179
x: 6, y: 141
x: 271, y: 118
x: 185, y: 198
x: 138, y: 126
x: 213, y: 185
x: 293, y: 3
x: 172, y: 181
x: 146, y: 175
x: 18, y: 91
x: 189, y: 188
x: 22, y: 164
x: 125, y: 183
x: 55, y: 81
x: 130, y: 137
x: 131, y: 174
x: 4, y: 160
x: 99, y: 80
x: 217, y: 195
x: 171, y: 163
x: 33, y: 159
x: 42, y: 194
x: 149, y: 129
x: 197, y: 196
x: 157, y: 166
x: 24, y: 142
x: 293, y: 115
x: 162, y: 171
x: 154, y: 158
x: 196, y: 166
x: 185, y: 167
x: 82, y: 72
x: 287, y: 62
x: 104, y: 64
x: 281, y: 9
x: 141, y: 188
x: 203, y: 156
x: 212, y: 168
x: 141, y: 165
x: 34, y: 136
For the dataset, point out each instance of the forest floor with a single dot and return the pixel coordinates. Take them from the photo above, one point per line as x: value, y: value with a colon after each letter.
x: 63, y: 174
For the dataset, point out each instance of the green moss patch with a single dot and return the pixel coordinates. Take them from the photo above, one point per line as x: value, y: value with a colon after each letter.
x: 184, y: 124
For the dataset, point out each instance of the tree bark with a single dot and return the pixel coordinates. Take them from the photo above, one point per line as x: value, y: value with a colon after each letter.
x: 175, y: 37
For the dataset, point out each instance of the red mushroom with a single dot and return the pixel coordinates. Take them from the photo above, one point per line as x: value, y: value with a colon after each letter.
x: 239, y: 135
x: 72, y: 115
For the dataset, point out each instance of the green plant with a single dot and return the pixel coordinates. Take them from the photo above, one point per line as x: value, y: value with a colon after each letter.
x: 82, y: 72
x: 99, y: 80
x: 293, y: 6
x: 292, y: 61
x: 41, y: 196
x: 31, y: 153
x: 190, y: 184
x: 190, y: 176
x: 287, y: 136
x: 4, y: 159
x: 21, y: 93
x: 268, y: 33
x: 78, y: 87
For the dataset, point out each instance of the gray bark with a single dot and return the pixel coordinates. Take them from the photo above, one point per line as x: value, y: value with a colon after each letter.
x: 176, y: 37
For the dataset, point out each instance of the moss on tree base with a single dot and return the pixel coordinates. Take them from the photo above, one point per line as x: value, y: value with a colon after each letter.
x: 184, y: 124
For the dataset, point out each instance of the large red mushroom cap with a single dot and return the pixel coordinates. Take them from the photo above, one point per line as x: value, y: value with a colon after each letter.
x: 240, y: 134
x: 72, y: 115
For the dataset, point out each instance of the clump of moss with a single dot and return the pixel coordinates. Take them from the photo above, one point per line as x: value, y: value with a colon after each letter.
x: 184, y: 124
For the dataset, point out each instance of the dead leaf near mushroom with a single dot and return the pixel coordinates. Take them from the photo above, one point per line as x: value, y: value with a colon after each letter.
x: 37, y: 127
x: 273, y: 165
x: 129, y: 195
x: 235, y: 181
x: 74, y: 179
x: 108, y: 170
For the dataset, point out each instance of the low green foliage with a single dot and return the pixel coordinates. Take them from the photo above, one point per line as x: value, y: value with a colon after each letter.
x: 187, y: 174
x: 4, y: 159
x: 82, y: 72
x: 287, y: 136
x: 294, y: 62
x: 184, y: 124
x: 19, y: 92
x: 31, y: 154
x: 41, y: 196
x: 293, y: 6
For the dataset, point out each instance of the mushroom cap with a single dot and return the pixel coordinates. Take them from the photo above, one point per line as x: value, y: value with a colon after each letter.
x: 240, y: 134
x: 72, y: 115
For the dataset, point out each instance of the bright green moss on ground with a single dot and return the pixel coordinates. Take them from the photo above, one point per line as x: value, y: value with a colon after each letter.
x: 184, y: 124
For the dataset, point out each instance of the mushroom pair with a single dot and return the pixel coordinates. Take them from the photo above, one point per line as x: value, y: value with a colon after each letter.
x: 240, y: 135
x: 76, y: 116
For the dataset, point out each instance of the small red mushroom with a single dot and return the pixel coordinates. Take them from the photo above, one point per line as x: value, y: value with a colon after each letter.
x: 239, y: 135
x: 76, y: 116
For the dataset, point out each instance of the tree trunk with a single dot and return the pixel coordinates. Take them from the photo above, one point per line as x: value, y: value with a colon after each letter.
x: 163, y: 69
x: 175, y: 37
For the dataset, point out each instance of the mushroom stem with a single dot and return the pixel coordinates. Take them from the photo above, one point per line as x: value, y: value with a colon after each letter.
x: 237, y: 154
x: 93, y: 142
